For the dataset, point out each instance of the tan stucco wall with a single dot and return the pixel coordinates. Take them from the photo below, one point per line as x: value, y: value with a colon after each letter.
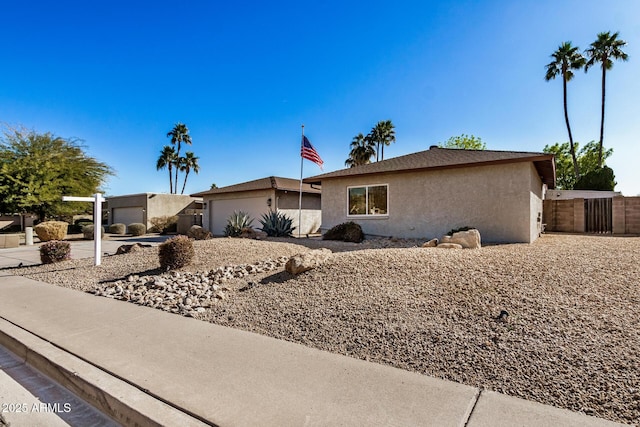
x: 496, y: 199
x: 311, y: 215
x: 154, y: 205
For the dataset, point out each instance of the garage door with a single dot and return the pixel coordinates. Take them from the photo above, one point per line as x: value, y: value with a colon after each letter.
x: 127, y: 216
x: 222, y: 209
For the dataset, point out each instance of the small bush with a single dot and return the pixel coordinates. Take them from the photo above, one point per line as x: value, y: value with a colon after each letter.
x: 87, y: 231
x: 55, y: 251
x: 276, y: 224
x: 176, y: 252
x: 137, y: 229
x: 198, y: 233
x: 347, y: 232
x: 455, y: 230
x: 236, y: 222
x: 117, y: 228
x: 164, y: 224
x: 51, y: 230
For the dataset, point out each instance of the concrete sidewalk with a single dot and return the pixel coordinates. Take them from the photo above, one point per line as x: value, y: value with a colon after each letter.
x: 144, y: 366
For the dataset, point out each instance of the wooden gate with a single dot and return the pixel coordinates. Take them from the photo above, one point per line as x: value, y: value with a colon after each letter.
x: 598, y: 217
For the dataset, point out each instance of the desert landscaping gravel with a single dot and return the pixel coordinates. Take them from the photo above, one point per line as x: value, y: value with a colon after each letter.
x: 555, y: 322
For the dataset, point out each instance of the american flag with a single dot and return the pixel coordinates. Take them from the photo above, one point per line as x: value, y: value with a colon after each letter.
x: 308, y: 152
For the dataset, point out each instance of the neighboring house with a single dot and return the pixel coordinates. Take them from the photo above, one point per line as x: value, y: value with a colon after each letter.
x: 257, y: 198
x: 426, y: 194
x: 141, y: 208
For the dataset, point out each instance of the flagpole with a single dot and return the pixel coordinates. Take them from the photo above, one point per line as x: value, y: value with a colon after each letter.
x: 300, y: 198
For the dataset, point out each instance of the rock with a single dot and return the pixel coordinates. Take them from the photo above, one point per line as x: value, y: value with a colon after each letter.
x: 469, y: 239
x: 248, y: 233
x: 430, y: 244
x: 450, y: 246
x: 306, y: 261
x: 198, y: 233
x: 136, y: 247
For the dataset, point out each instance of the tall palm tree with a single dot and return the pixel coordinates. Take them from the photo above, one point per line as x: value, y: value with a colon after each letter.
x: 362, y: 149
x: 179, y: 134
x: 166, y: 160
x: 188, y: 163
x: 603, y: 50
x: 382, y: 134
x: 566, y: 59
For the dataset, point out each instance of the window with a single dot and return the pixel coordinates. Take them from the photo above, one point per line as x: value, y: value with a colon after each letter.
x: 368, y: 200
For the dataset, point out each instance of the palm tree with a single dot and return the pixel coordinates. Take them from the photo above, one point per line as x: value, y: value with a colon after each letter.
x: 166, y: 160
x: 566, y: 59
x: 362, y: 149
x: 382, y: 134
x: 603, y: 50
x: 188, y: 163
x: 179, y: 134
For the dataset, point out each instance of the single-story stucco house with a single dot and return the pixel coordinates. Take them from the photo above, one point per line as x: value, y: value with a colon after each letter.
x: 141, y: 208
x: 257, y: 198
x: 426, y: 194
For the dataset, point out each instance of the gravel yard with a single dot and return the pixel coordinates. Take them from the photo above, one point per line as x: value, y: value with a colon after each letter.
x: 571, y: 337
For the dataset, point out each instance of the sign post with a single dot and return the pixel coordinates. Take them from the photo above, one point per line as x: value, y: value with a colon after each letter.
x: 97, y: 200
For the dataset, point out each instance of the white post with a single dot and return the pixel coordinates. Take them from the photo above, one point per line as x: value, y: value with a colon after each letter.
x: 28, y: 236
x: 97, y: 200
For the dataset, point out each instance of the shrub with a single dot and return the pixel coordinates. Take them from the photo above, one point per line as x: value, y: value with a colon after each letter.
x: 198, y: 233
x: 276, y: 224
x: 347, y: 232
x: 176, y: 252
x: 137, y: 229
x: 236, y: 222
x: 117, y: 228
x: 164, y: 224
x: 599, y: 179
x: 455, y: 230
x: 87, y: 231
x: 51, y: 230
x: 55, y: 251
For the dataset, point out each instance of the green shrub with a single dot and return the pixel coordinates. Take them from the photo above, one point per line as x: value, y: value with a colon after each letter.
x: 137, y: 229
x: 78, y: 225
x: 455, y: 230
x: 117, y: 228
x: 51, y: 230
x: 176, y: 252
x: 164, y: 224
x: 236, y: 222
x: 347, y: 232
x: 276, y: 224
x: 55, y: 251
x: 87, y: 231
x: 599, y: 179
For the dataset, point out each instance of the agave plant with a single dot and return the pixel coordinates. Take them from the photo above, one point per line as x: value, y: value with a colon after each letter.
x: 236, y: 222
x: 276, y: 224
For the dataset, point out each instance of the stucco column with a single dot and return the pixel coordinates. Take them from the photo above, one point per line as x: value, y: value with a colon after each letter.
x: 578, y: 216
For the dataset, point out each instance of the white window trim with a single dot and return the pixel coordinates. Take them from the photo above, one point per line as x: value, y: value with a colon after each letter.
x: 368, y: 216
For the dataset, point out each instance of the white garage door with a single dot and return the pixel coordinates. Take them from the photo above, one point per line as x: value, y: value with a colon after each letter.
x: 222, y: 209
x: 127, y: 216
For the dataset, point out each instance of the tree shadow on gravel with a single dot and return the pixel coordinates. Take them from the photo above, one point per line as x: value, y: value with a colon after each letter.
x: 280, y: 277
x: 151, y: 272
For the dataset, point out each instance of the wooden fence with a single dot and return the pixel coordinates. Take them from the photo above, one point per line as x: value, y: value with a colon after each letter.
x: 617, y: 215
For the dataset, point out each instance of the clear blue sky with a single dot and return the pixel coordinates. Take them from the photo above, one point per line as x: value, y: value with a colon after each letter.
x: 244, y: 76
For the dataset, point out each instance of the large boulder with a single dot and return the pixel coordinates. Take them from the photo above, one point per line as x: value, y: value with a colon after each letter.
x: 469, y: 239
x: 450, y: 246
x: 51, y: 230
x: 136, y: 247
x: 430, y: 244
x: 302, y: 262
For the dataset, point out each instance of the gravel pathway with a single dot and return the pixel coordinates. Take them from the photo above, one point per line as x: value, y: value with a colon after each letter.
x: 569, y: 334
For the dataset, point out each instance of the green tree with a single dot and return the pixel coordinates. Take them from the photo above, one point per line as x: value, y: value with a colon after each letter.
x: 362, y: 149
x: 467, y: 142
x: 179, y: 134
x: 188, y: 163
x: 36, y: 170
x: 606, y: 48
x: 566, y: 59
x: 383, y: 133
x: 166, y: 160
x: 214, y: 185
x: 587, y: 162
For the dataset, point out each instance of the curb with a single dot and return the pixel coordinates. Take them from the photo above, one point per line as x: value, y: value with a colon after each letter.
x: 121, y: 401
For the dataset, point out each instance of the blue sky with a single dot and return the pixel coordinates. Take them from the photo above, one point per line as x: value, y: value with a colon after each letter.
x: 244, y: 77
